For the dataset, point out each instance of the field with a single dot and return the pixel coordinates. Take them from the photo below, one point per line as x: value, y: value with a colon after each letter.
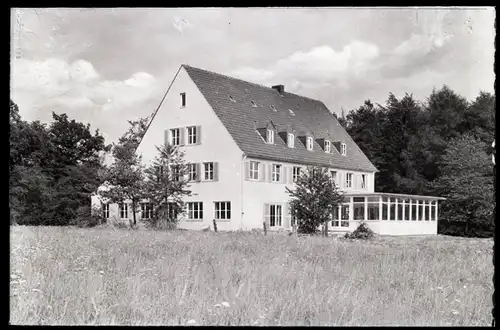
x: 138, y: 277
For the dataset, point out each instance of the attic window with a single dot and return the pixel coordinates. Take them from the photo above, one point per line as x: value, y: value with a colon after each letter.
x: 253, y: 104
x: 309, y: 143
x: 183, y: 99
x: 343, y: 149
x: 290, y: 140
x: 270, y: 136
x: 327, y: 146
x: 231, y: 98
x: 291, y: 112
x: 273, y: 107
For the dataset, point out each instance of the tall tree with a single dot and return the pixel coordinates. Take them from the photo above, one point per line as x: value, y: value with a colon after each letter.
x: 313, y: 199
x: 167, y: 182
x: 467, y: 183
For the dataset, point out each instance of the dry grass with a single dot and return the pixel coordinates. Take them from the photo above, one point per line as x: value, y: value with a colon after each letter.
x: 106, y: 276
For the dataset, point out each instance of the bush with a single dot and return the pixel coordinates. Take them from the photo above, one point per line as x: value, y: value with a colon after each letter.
x: 87, y: 217
x: 362, y: 232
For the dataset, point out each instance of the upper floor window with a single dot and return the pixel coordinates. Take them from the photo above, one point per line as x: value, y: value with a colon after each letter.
x: 254, y: 170
x: 327, y: 146
x: 309, y: 143
x: 195, y: 210
x: 348, y: 180
x: 363, y: 181
x: 291, y: 140
x: 176, y: 173
x: 193, y: 173
x: 209, y: 171
x: 176, y: 136
x: 343, y: 149
x: 333, y: 174
x: 276, y: 172
x: 192, y: 135
x: 295, y: 173
x: 183, y: 99
x: 270, y: 136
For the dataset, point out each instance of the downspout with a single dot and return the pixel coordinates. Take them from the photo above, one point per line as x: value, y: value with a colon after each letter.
x: 243, y: 159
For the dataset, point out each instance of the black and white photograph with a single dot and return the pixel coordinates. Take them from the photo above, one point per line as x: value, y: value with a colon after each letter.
x: 252, y: 166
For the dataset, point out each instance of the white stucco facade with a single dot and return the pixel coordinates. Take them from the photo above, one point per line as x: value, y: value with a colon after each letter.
x: 253, y: 198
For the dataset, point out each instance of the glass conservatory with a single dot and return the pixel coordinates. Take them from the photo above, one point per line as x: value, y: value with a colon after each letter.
x: 387, y: 214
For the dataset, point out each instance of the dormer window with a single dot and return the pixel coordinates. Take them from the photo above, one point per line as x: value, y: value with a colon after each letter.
x: 270, y: 136
x: 309, y: 143
x: 253, y: 104
x: 327, y: 146
x: 343, y: 149
x: 290, y: 140
x: 291, y: 112
x: 183, y: 100
x: 274, y: 108
x: 232, y: 99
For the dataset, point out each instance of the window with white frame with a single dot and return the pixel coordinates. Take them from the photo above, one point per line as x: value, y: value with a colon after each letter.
x: 172, y: 210
x: 275, y: 215
x: 193, y: 175
x: 270, y: 136
x: 276, y: 172
x: 175, y: 135
x: 348, y: 180
x: 146, y: 210
x: 176, y: 173
x: 192, y: 135
x: 333, y: 175
x: 209, y: 170
x: 295, y: 173
x: 343, y: 149
x: 123, y: 207
x: 327, y: 146
x: 195, y: 210
x: 291, y: 140
x: 222, y: 210
x: 159, y: 173
x: 105, y: 211
x: 309, y: 143
x: 363, y: 181
x: 254, y: 170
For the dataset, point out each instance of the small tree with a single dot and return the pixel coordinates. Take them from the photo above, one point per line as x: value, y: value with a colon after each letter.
x: 167, y: 182
x: 314, y: 199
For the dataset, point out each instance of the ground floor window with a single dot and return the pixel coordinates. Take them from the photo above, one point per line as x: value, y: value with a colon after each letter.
x: 105, y: 211
x: 406, y: 207
x: 335, y: 217
x: 385, y: 208
x: 433, y: 211
x: 399, y: 208
x: 172, y: 210
x: 146, y: 210
x: 123, y: 207
x: 344, y: 215
x: 420, y: 210
x: 222, y: 210
x: 275, y: 215
x: 195, y: 210
x: 427, y: 206
x: 392, y: 208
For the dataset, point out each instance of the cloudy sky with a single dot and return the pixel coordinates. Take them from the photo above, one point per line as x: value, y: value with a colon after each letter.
x: 105, y: 66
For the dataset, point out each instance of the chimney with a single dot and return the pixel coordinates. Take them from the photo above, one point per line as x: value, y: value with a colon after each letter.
x: 279, y: 88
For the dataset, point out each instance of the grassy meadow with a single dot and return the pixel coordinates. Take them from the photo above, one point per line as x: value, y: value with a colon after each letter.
x: 70, y: 276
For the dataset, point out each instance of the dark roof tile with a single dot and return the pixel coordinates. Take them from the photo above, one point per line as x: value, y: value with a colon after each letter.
x: 311, y: 116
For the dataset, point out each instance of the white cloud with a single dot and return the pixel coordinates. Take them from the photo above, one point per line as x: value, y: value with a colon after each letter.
x: 316, y: 66
x: 180, y: 23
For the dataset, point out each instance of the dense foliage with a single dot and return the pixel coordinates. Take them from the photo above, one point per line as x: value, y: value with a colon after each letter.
x: 313, y: 199
x: 438, y: 147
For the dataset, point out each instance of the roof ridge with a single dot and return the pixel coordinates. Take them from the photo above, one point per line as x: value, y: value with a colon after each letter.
x: 246, y: 81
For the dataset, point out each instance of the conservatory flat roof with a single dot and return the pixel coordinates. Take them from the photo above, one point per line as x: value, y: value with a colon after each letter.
x: 367, y: 194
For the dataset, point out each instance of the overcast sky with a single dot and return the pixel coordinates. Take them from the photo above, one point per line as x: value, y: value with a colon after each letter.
x: 105, y: 66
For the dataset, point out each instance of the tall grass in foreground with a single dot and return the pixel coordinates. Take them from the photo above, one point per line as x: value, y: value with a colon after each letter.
x: 101, y: 276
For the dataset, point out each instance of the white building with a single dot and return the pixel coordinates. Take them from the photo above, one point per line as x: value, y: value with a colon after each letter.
x: 250, y: 142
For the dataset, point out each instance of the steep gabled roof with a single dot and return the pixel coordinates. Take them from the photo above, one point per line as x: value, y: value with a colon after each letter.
x: 310, y: 117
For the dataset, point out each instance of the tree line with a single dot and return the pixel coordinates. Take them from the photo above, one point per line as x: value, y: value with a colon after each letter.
x: 438, y: 147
